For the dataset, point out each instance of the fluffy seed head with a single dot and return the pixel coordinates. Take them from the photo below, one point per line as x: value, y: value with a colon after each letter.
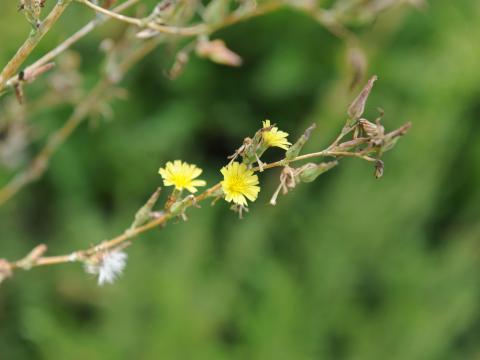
x: 109, y: 267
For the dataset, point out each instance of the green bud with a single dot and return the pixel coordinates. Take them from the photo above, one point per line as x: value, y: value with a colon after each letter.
x: 253, y: 148
x: 294, y: 150
x: 311, y: 171
x: 178, y: 208
x: 143, y: 214
x: 248, y: 155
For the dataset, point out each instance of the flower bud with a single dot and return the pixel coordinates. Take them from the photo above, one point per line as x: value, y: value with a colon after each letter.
x: 311, y: 171
x: 143, y: 214
x: 218, y: 52
x: 178, y: 208
x: 30, y: 260
x: 295, y: 149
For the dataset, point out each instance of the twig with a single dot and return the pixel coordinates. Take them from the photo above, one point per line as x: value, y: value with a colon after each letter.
x: 194, y: 30
x: 171, y: 30
x: 39, y: 164
x: 361, y: 148
x: 66, y: 44
x: 162, y: 219
x: 31, y: 43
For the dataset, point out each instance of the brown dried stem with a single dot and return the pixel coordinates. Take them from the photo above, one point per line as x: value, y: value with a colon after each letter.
x: 31, y: 43
x: 39, y: 164
x: 170, y: 30
x: 66, y: 44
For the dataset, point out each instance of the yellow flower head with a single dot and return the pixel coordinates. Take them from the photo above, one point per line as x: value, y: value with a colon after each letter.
x: 181, y: 175
x: 274, y: 137
x: 239, y: 183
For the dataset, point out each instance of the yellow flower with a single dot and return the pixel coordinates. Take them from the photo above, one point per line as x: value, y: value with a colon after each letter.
x: 181, y: 175
x: 275, y: 137
x: 239, y: 183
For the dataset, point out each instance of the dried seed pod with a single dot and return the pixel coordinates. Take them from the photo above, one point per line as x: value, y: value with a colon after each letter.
x: 379, y: 169
x: 32, y: 9
x: 356, y: 109
x: 372, y: 130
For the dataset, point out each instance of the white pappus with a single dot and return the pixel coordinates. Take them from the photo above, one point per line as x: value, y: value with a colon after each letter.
x: 109, y: 267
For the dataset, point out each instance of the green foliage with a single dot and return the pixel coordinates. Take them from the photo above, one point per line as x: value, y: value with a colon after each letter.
x: 346, y: 267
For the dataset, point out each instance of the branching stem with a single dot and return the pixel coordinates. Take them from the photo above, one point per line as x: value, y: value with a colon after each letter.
x: 31, y: 43
x: 162, y: 219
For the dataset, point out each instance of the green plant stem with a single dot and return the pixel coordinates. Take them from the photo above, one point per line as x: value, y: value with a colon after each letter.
x: 130, y: 234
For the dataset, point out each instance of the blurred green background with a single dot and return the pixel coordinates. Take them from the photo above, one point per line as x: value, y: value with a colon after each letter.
x: 348, y: 267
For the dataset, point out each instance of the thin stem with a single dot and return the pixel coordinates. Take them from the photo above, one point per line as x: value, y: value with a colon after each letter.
x: 195, y: 30
x: 171, y: 30
x: 66, y: 44
x: 31, y: 43
x: 130, y: 234
x: 235, y: 18
x: 39, y: 164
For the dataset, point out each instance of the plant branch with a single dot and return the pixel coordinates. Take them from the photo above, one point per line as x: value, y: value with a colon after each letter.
x: 130, y: 234
x: 66, y: 44
x: 39, y: 164
x: 31, y: 43
x: 194, y: 30
x: 171, y: 30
